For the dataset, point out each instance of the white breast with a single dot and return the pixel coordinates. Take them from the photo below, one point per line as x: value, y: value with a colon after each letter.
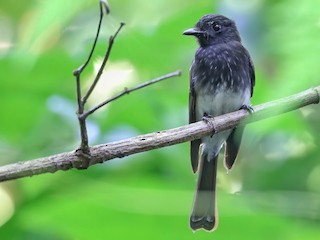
x: 222, y: 102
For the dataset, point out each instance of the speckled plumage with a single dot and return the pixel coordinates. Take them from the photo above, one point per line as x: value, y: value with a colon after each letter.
x: 221, y: 81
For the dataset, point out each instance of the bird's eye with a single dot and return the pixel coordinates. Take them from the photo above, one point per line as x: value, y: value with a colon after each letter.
x: 216, y: 27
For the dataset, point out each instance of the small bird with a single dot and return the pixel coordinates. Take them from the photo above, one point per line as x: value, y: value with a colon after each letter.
x: 221, y: 81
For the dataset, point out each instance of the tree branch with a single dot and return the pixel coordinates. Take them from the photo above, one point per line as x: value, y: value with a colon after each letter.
x: 83, y: 152
x: 118, y: 149
x: 129, y: 90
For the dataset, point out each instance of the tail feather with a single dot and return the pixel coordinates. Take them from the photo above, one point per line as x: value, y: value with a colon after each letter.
x: 204, y: 214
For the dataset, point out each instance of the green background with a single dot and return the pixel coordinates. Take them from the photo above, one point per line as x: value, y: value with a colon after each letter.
x: 272, y: 193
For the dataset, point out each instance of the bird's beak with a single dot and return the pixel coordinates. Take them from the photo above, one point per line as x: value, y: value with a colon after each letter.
x: 193, y: 32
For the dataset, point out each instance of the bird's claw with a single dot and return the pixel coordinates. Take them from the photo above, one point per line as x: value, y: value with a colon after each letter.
x: 207, y: 119
x: 248, y: 108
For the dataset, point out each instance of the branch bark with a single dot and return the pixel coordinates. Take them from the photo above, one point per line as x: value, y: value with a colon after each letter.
x: 118, y: 149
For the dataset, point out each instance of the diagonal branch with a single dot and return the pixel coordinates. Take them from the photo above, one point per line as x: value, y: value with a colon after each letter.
x: 79, y: 70
x: 129, y: 90
x: 108, y: 151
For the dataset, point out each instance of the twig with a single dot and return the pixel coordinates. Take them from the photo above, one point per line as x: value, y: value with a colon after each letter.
x: 129, y: 90
x: 79, y: 70
x: 84, y: 151
x: 104, y: 152
x: 105, y: 60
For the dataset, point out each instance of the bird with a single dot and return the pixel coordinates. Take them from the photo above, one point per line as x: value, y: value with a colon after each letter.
x: 222, y: 79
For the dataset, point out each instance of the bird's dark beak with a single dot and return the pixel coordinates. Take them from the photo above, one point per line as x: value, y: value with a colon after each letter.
x: 193, y: 32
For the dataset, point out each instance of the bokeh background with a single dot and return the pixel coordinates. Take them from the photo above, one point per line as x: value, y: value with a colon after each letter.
x: 272, y: 193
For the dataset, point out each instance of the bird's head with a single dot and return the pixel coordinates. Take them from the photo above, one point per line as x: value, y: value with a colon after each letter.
x: 214, y: 29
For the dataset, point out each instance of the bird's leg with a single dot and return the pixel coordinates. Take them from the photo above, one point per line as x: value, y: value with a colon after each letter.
x: 207, y: 119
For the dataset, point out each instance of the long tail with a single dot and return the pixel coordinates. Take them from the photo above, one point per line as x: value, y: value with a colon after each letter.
x: 204, y: 214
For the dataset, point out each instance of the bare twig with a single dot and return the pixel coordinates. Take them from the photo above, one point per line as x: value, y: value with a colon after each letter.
x: 108, y: 151
x: 129, y: 90
x: 79, y: 70
x: 84, y: 150
x: 105, y: 60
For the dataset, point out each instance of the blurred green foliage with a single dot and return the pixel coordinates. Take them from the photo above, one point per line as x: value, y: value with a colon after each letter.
x: 273, y: 191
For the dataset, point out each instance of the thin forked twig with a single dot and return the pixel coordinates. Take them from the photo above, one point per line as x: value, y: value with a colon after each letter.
x: 129, y: 90
x: 106, y: 57
x: 84, y: 150
x: 79, y: 70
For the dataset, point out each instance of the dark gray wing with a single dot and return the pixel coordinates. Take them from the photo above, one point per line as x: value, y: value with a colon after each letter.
x: 234, y: 140
x: 252, y: 74
x: 194, y: 147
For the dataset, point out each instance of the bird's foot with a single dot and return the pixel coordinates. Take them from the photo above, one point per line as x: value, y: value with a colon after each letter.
x: 207, y: 119
x: 248, y: 108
